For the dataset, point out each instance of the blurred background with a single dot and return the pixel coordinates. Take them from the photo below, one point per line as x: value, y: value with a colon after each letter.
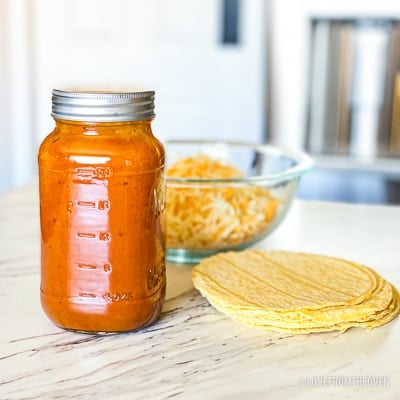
x: 317, y: 76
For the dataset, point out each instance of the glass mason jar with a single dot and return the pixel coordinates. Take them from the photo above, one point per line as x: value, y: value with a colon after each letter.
x: 102, y: 202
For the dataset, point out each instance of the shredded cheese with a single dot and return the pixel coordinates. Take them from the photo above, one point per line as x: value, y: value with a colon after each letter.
x: 201, y: 218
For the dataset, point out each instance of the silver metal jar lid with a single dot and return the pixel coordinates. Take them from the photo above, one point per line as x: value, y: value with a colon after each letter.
x: 102, y: 106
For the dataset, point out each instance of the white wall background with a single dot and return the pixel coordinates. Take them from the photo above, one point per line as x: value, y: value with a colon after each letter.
x: 16, y: 155
x: 203, y: 89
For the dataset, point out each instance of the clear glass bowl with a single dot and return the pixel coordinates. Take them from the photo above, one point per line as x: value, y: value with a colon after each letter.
x: 206, y: 216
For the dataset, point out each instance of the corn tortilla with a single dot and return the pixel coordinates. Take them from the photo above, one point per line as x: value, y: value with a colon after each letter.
x: 295, y: 292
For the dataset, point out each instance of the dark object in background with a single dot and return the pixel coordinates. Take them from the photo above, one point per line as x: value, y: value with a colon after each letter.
x: 393, y: 191
x: 230, y: 21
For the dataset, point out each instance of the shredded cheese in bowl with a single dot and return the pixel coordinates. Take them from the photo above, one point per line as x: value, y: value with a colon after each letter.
x: 213, y: 218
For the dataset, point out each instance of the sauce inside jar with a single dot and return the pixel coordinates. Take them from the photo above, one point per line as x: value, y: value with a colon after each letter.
x: 102, y: 207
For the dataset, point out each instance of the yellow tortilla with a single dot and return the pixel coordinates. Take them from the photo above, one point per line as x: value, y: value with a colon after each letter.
x: 295, y: 292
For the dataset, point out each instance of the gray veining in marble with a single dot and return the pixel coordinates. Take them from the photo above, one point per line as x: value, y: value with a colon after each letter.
x: 193, y: 351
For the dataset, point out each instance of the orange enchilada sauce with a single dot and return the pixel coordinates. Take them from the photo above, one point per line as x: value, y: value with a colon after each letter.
x: 101, y: 214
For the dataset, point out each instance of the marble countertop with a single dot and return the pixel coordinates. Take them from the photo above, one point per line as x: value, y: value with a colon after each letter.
x: 194, y: 351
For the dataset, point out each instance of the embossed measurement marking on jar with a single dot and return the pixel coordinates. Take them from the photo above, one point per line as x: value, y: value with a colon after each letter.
x: 86, y: 204
x: 105, y: 267
x: 88, y: 173
x: 89, y: 295
x: 86, y: 235
x: 104, y: 205
x: 103, y: 236
x: 100, y: 205
x: 118, y: 297
x: 87, y: 266
x: 88, y: 210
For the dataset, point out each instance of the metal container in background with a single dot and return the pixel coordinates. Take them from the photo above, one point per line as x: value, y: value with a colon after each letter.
x: 353, y: 70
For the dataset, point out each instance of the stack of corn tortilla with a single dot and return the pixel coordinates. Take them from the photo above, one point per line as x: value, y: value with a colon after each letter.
x: 296, y: 292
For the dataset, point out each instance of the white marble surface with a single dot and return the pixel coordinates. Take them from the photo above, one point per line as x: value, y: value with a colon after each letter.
x: 194, y: 352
